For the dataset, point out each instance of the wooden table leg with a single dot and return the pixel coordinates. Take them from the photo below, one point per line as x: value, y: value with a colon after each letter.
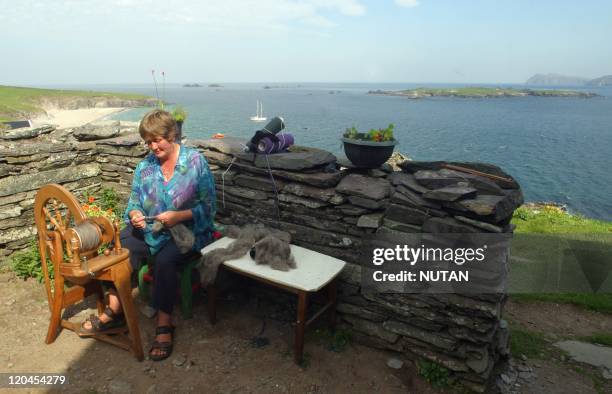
x: 300, y: 326
x: 211, y: 292
x: 332, y: 299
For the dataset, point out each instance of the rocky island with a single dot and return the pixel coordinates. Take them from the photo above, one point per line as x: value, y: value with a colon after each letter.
x: 477, y: 92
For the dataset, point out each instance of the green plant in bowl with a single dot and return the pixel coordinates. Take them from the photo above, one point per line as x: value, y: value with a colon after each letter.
x: 179, y: 114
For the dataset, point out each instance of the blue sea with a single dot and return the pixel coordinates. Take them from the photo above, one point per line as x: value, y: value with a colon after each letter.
x: 559, y: 149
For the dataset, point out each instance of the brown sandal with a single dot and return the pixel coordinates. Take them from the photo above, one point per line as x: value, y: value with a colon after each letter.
x: 115, y: 326
x: 165, y: 348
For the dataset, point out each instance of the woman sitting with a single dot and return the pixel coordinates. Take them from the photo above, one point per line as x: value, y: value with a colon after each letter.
x: 172, y: 185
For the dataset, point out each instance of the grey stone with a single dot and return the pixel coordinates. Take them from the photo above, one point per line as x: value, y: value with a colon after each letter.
x: 395, y: 363
x: 26, y: 132
x: 370, y: 221
x: 126, y: 141
x: 402, y: 227
x: 369, y: 328
x: 360, y: 312
x: 179, y: 361
x: 376, y: 173
x: 364, y: 202
x: 493, y: 208
x: 10, y: 212
x: 437, y: 340
x: 97, y: 130
x: 351, y: 210
x: 450, y: 193
x: 244, y: 192
x: 411, y: 198
x: 481, y: 363
x: 447, y: 361
x: 327, y: 195
x: 258, y: 183
x: 318, y: 179
x: 310, y: 203
x: 415, y: 166
x: 362, y: 186
x: 476, y: 223
x: 15, y: 184
x: 218, y: 158
x: 402, y: 214
x: 297, y: 158
x: 447, y: 226
x: 434, y: 180
x: 597, y: 356
x: 228, y: 145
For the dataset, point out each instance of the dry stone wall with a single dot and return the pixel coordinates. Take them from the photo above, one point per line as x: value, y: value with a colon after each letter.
x: 326, y: 209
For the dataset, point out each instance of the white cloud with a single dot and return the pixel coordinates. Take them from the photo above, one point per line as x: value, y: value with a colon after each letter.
x: 216, y: 15
x: 407, y: 3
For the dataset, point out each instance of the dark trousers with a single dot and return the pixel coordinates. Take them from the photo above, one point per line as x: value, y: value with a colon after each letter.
x: 165, y: 263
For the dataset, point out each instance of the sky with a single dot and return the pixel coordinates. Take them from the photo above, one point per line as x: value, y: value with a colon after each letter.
x: 437, y: 41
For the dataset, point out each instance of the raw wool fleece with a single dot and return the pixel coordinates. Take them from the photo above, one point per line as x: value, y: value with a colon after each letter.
x: 265, y: 240
x: 182, y: 235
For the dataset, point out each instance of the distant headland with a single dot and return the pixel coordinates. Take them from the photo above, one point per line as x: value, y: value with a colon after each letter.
x: 567, y: 80
x: 478, y: 92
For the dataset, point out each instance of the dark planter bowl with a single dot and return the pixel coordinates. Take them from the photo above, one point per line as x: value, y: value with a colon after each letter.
x: 368, y: 154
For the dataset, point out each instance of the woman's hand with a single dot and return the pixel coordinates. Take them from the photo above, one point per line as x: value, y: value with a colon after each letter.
x: 137, y: 219
x: 170, y: 218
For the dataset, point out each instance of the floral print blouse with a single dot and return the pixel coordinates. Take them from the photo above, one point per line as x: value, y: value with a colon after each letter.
x: 191, y: 187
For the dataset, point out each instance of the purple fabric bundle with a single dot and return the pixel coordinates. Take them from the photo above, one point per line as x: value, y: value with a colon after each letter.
x: 267, y: 146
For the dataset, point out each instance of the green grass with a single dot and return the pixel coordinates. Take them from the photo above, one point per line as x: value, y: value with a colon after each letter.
x: 16, y: 102
x: 543, y: 234
x: 531, y: 344
x: 601, y: 339
x: 552, y: 220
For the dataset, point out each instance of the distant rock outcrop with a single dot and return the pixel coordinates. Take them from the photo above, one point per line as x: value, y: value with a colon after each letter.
x: 556, y: 80
x: 606, y: 80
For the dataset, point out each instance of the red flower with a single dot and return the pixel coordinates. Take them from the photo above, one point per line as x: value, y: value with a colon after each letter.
x: 91, y: 199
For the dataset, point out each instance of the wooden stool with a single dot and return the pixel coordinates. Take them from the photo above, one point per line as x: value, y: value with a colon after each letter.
x: 62, y: 226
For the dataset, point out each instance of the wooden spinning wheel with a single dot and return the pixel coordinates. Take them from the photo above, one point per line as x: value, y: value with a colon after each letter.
x: 69, y: 240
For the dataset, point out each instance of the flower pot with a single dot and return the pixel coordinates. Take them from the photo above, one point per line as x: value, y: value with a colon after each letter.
x: 368, y: 154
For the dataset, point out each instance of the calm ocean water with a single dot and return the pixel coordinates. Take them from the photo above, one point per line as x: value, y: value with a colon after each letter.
x: 558, y: 148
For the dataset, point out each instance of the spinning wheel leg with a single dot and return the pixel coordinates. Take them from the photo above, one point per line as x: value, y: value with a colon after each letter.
x: 121, y: 279
x: 56, y: 311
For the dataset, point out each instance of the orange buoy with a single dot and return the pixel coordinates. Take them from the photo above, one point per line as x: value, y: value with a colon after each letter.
x: 218, y: 136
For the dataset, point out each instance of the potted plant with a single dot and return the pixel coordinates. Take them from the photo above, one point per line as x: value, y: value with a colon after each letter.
x: 179, y: 114
x: 371, y: 149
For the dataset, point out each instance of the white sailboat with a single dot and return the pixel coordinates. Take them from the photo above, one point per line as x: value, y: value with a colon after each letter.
x: 259, y: 116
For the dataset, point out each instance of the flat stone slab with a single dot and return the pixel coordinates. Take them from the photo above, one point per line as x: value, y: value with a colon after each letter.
x: 412, y: 167
x: 297, y: 158
x: 26, y: 132
x: 125, y: 140
x: 97, y: 130
x: 406, y: 180
x: 451, y: 193
x: 597, y: 356
x: 363, y: 186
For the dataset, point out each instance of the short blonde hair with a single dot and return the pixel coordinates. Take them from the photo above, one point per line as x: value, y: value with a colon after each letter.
x: 158, y: 123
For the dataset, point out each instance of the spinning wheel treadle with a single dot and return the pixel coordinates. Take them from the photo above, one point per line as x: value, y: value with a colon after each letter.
x: 70, y: 241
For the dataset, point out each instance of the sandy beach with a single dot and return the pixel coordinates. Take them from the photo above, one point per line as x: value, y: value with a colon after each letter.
x: 64, y: 118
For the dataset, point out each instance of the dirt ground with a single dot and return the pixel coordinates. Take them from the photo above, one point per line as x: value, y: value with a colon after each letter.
x: 554, y: 371
x: 224, y: 359
x: 206, y: 358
